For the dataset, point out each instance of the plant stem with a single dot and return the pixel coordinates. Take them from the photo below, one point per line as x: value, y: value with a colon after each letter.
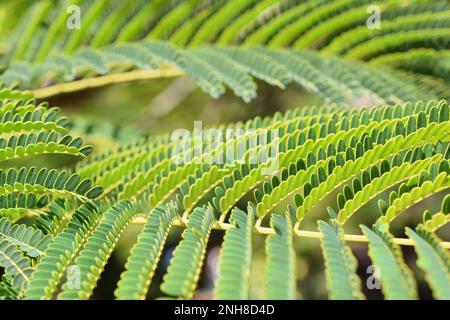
x: 300, y: 233
x: 104, y: 81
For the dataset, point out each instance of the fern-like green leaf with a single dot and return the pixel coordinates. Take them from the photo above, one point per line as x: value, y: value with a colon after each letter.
x: 15, y: 263
x: 60, y: 253
x: 145, y: 254
x: 434, y: 260
x: 396, y: 278
x: 99, y: 246
x: 340, y: 264
x: 235, y: 257
x: 280, y: 276
x: 185, y: 267
x: 30, y: 240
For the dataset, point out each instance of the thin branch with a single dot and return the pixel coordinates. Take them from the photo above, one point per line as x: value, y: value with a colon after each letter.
x: 298, y: 233
x: 104, y: 81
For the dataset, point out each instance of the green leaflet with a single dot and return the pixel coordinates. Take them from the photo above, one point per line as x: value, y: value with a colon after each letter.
x: 426, y: 19
x: 57, y: 217
x: 45, y: 181
x: 30, y: 240
x: 98, y: 248
x: 140, y: 184
x: 39, y: 12
x: 235, y: 258
x: 239, y: 81
x: 201, y: 186
x: 343, y: 171
x: 28, y: 189
x: 7, y: 289
x: 307, y: 75
x: 340, y: 264
x: 15, y: 122
x: 16, y: 264
x: 396, y: 278
x: 388, y: 179
x: 145, y: 254
x: 134, y: 54
x: 170, y: 20
x: 43, y: 143
x: 437, y: 220
x: 220, y: 20
x: 14, y: 206
x: 168, y: 184
x: 115, y: 22
x: 65, y: 246
x: 407, y: 199
x: 434, y: 261
x: 76, y: 39
x: 280, y: 277
x: 262, y: 68
x: 335, y: 26
x: 11, y: 94
x: 372, y: 48
x: 185, y: 266
x: 319, y: 74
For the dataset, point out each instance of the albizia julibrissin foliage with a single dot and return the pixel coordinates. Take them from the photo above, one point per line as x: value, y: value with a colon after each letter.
x: 395, y: 150
x: 62, y: 45
x: 80, y: 215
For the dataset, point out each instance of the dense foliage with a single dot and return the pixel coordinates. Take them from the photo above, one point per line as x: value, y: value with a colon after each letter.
x: 382, y: 134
